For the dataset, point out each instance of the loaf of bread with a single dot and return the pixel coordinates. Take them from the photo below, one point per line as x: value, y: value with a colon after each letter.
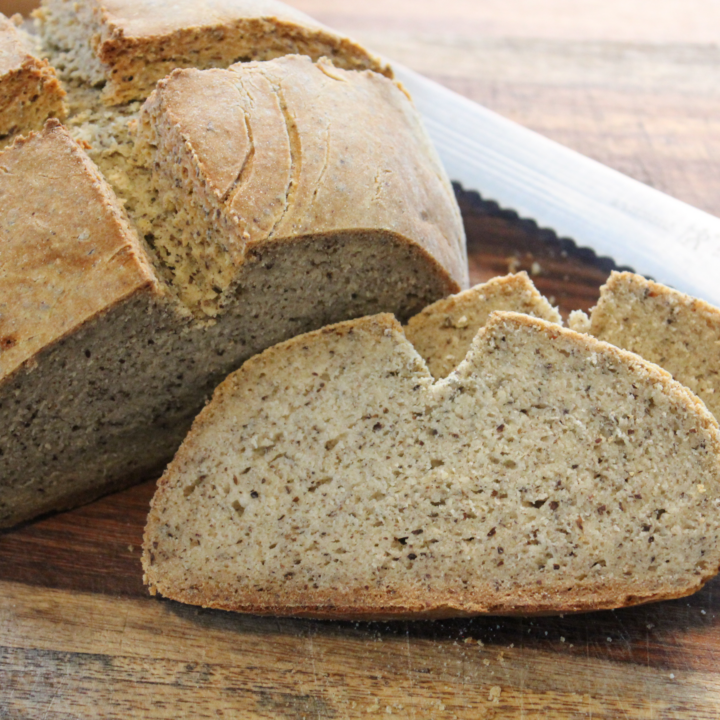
x: 667, y: 327
x: 443, y: 332
x: 332, y: 477
x: 128, y: 45
x: 274, y: 201
x: 29, y: 89
x: 289, y: 153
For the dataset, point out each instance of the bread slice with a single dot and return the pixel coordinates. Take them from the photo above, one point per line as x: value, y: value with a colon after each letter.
x: 443, y: 332
x: 272, y: 156
x: 332, y: 477
x: 29, y: 90
x: 131, y: 44
x: 667, y: 327
x: 106, y: 350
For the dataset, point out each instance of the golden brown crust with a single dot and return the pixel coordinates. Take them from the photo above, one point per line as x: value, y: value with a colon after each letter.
x: 374, y: 600
x: 209, y: 116
x: 373, y: 168
x: 134, y: 19
x: 373, y: 607
x: 67, y: 252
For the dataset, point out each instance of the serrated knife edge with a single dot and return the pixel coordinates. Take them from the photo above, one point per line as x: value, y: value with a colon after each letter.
x: 577, y: 197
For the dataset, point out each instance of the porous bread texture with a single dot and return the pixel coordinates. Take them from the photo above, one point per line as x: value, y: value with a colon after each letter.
x: 29, y: 89
x: 273, y: 152
x: 443, y: 332
x: 106, y: 134
x: 131, y: 44
x: 102, y: 368
x: 667, y: 327
x: 66, y: 29
x: 332, y: 477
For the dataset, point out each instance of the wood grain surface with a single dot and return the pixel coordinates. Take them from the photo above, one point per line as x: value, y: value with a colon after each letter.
x: 634, y: 84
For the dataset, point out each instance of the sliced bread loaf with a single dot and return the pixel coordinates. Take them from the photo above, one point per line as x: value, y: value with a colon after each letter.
x: 443, y: 332
x: 131, y: 44
x: 667, y: 327
x: 332, y: 477
x: 29, y: 89
x: 111, y: 342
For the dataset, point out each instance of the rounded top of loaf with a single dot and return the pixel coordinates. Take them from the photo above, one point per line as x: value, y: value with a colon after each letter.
x: 147, y: 18
x: 310, y: 149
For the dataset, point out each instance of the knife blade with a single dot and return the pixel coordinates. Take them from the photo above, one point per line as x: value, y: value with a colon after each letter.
x: 575, y: 196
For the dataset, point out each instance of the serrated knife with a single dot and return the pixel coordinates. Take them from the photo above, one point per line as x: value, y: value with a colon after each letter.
x: 575, y: 196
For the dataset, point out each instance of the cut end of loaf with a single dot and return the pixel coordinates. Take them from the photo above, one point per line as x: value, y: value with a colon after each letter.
x: 331, y: 477
x: 142, y: 363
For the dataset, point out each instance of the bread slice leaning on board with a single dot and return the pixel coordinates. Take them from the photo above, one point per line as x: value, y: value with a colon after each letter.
x: 678, y: 332
x: 332, y: 477
x: 443, y: 332
x: 116, y: 326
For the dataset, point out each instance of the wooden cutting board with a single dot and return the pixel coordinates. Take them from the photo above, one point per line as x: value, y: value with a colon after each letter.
x: 80, y: 637
x: 632, y: 83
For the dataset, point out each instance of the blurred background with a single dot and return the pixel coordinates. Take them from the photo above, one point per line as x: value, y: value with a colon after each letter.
x: 631, y: 20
